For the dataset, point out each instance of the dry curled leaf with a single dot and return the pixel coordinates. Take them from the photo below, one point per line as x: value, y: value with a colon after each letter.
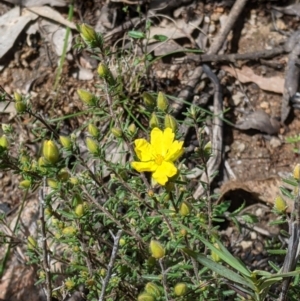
x: 245, y: 75
x: 261, y: 121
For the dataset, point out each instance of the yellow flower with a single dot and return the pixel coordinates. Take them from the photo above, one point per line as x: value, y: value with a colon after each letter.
x: 158, y: 155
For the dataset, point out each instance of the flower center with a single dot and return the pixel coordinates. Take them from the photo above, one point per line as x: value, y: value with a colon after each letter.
x: 159, y: 159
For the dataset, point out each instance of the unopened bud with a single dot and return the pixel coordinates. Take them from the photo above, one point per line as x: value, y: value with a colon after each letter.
x: 25, y: 184
x: 74, y: 181
x: 170, y: 122
x: 87, y: 33
x: 162, y: 102
x: 69, y: 231
x: 280, y: 204
x: 93, y: 130
x: 17, y: 96
x: 91, y: 145
x: 79, y: 210
x: 86, y: 97
x: 70, y: 284
x: 116, y: 132
x: 65, y: 141
x: 50, y: 151
x: 156, y: 249
x: 296, y: 172
x: 180, y: 289
x: 31, y: 243
x: 152, y: 289
x: 3, y: 143
x: 208, y: 147
x: 52, y: 183
x: 20, y: 106
x: 105, y: 73
x: 149, y: 100
x: 145, y: 297
x: 7, y: 128
x: 184, y: 208
x: 63, y: 175
x: 132, y: 129
x: 153, y: 122
x: 214, y: 256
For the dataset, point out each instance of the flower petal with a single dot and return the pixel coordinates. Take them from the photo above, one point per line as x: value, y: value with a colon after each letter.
x: 143, y: 150
x: 175, y: 151
x: 144, y: 166
x: 161, y: 141
x: 163, y: 172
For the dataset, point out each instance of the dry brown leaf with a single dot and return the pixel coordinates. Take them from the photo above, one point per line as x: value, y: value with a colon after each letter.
x: 245, y: 75
x: 265, y: 190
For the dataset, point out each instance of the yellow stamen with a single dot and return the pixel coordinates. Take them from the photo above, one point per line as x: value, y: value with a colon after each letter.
x: 159, y: 159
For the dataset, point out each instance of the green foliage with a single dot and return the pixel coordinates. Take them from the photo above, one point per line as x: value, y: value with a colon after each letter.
x: 109, y: 228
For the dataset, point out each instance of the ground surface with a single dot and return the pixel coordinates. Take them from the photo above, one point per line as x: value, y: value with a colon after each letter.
x: 256, y: 160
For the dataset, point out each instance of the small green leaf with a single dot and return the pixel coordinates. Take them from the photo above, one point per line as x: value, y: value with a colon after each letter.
x: 220, y: 269
x: 136, y: 34
x: 160, y: 37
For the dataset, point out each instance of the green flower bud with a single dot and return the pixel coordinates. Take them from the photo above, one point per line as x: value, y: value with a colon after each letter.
x: 280, y: 204
x: 93, y: 130
x: 152, y: 289
x: 180, y: 289
x: 149, y: 100
x: 208, y: 147
x: 25, y: 184
x: 48, y: 211
x: 184, y: 208
x: 20, y: 106
x: 156, y: 249
x: 105, y: 73
x: 296, y: 172
x: 116, y: 132
x: 63, y: 175
x: 50, y: 151
x: 31, y: 243
x: 76, y: 200
x: 68, y: 231
x: 145, y: 297
x: 122, y: 242
x: 42, y: 162
x: 214, y: 256
x: 170, y: 122
x: 74, y: 181
x: 86, y: 97
x: 79, y: 210
x: 193, y: 111
x: 91, y: 145
x: 132, y: 129
x: 17, y: 96
x: 7, y: 128
x: 153, y: 122
x: 3, y: 143
x: 52, y: 183
x: 162, y: 102
x: 70, y: 284
x: 87, y: 33
x: 65, y: 142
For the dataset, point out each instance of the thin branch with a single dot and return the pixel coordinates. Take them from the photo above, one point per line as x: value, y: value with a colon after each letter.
x: 111, y: 263
x: 44, y: 244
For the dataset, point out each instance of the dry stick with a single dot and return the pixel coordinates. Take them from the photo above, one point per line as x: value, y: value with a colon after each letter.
x: 232, y: 17
x: 291, y: 77
x: 217, y: 138
x: 217, y: 142
x: 44, y: 243
x: 233, y: 57
x: 111, y: 263
x: 292, y: 255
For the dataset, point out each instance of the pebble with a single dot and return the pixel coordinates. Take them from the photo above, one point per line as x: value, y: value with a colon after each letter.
x: 275, y: 142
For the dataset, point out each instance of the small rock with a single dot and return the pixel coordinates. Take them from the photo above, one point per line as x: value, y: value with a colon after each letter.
x: 275, y: 142
x: 237, y: 98
x: 265, y: 105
